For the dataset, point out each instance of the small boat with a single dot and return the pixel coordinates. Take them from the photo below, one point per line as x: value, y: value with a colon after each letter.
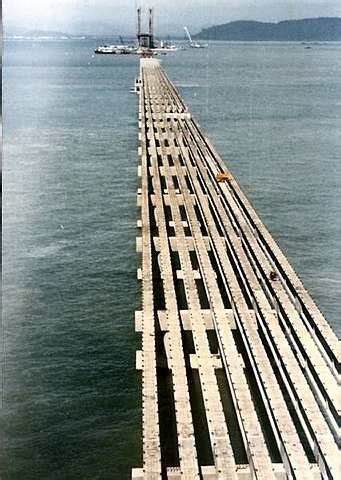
x: 165, y: 47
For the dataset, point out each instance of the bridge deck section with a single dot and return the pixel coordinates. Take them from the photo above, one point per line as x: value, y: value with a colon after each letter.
x: 211, y: 271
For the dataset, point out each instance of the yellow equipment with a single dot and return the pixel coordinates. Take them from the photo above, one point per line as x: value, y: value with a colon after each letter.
x: 223, y: 177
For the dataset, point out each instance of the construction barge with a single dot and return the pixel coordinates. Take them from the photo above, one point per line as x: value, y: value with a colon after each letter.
x: 146, y: 43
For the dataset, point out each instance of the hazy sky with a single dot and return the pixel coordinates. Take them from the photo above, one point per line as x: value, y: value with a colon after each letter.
x: 78, y: 15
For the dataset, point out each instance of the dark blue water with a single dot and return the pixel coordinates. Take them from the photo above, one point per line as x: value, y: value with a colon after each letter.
x: 71, y: 399
x: 274, y: 113
x: 71, y: 391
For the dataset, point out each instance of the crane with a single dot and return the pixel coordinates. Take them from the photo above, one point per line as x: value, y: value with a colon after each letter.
x: 188, y: 35
x: 193, y: 44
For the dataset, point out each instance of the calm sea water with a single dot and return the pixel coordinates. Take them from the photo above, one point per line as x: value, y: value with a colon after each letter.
x: 71, y: 399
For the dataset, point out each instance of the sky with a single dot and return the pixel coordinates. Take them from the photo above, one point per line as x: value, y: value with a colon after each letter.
x: 118, y: 16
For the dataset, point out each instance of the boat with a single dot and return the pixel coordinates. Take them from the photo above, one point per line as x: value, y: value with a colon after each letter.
x: 165, y: 47
x: 116, y: 50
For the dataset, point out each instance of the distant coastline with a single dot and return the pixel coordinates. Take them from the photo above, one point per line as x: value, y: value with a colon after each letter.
x: 305, y: 30
x: 44, y: 35
x: 308, y: 29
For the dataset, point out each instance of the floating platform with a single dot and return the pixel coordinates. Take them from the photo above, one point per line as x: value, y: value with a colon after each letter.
x: 240, y: 369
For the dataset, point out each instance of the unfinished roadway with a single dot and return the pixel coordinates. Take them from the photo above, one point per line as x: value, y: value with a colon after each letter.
x: 240, y: 369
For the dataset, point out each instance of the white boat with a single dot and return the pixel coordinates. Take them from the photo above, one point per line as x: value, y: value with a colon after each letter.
x: 115, y: 50
x: 164, y: 47
x: 193, y: 44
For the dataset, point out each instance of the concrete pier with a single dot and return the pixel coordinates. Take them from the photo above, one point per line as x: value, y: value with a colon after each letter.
x: 223, y: 315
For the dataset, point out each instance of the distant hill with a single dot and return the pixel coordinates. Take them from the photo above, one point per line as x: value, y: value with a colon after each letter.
x: 309, y: 29
x: 46, y: 33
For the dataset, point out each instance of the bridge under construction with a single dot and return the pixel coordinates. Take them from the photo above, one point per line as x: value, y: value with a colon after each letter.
x: 240, y: 369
